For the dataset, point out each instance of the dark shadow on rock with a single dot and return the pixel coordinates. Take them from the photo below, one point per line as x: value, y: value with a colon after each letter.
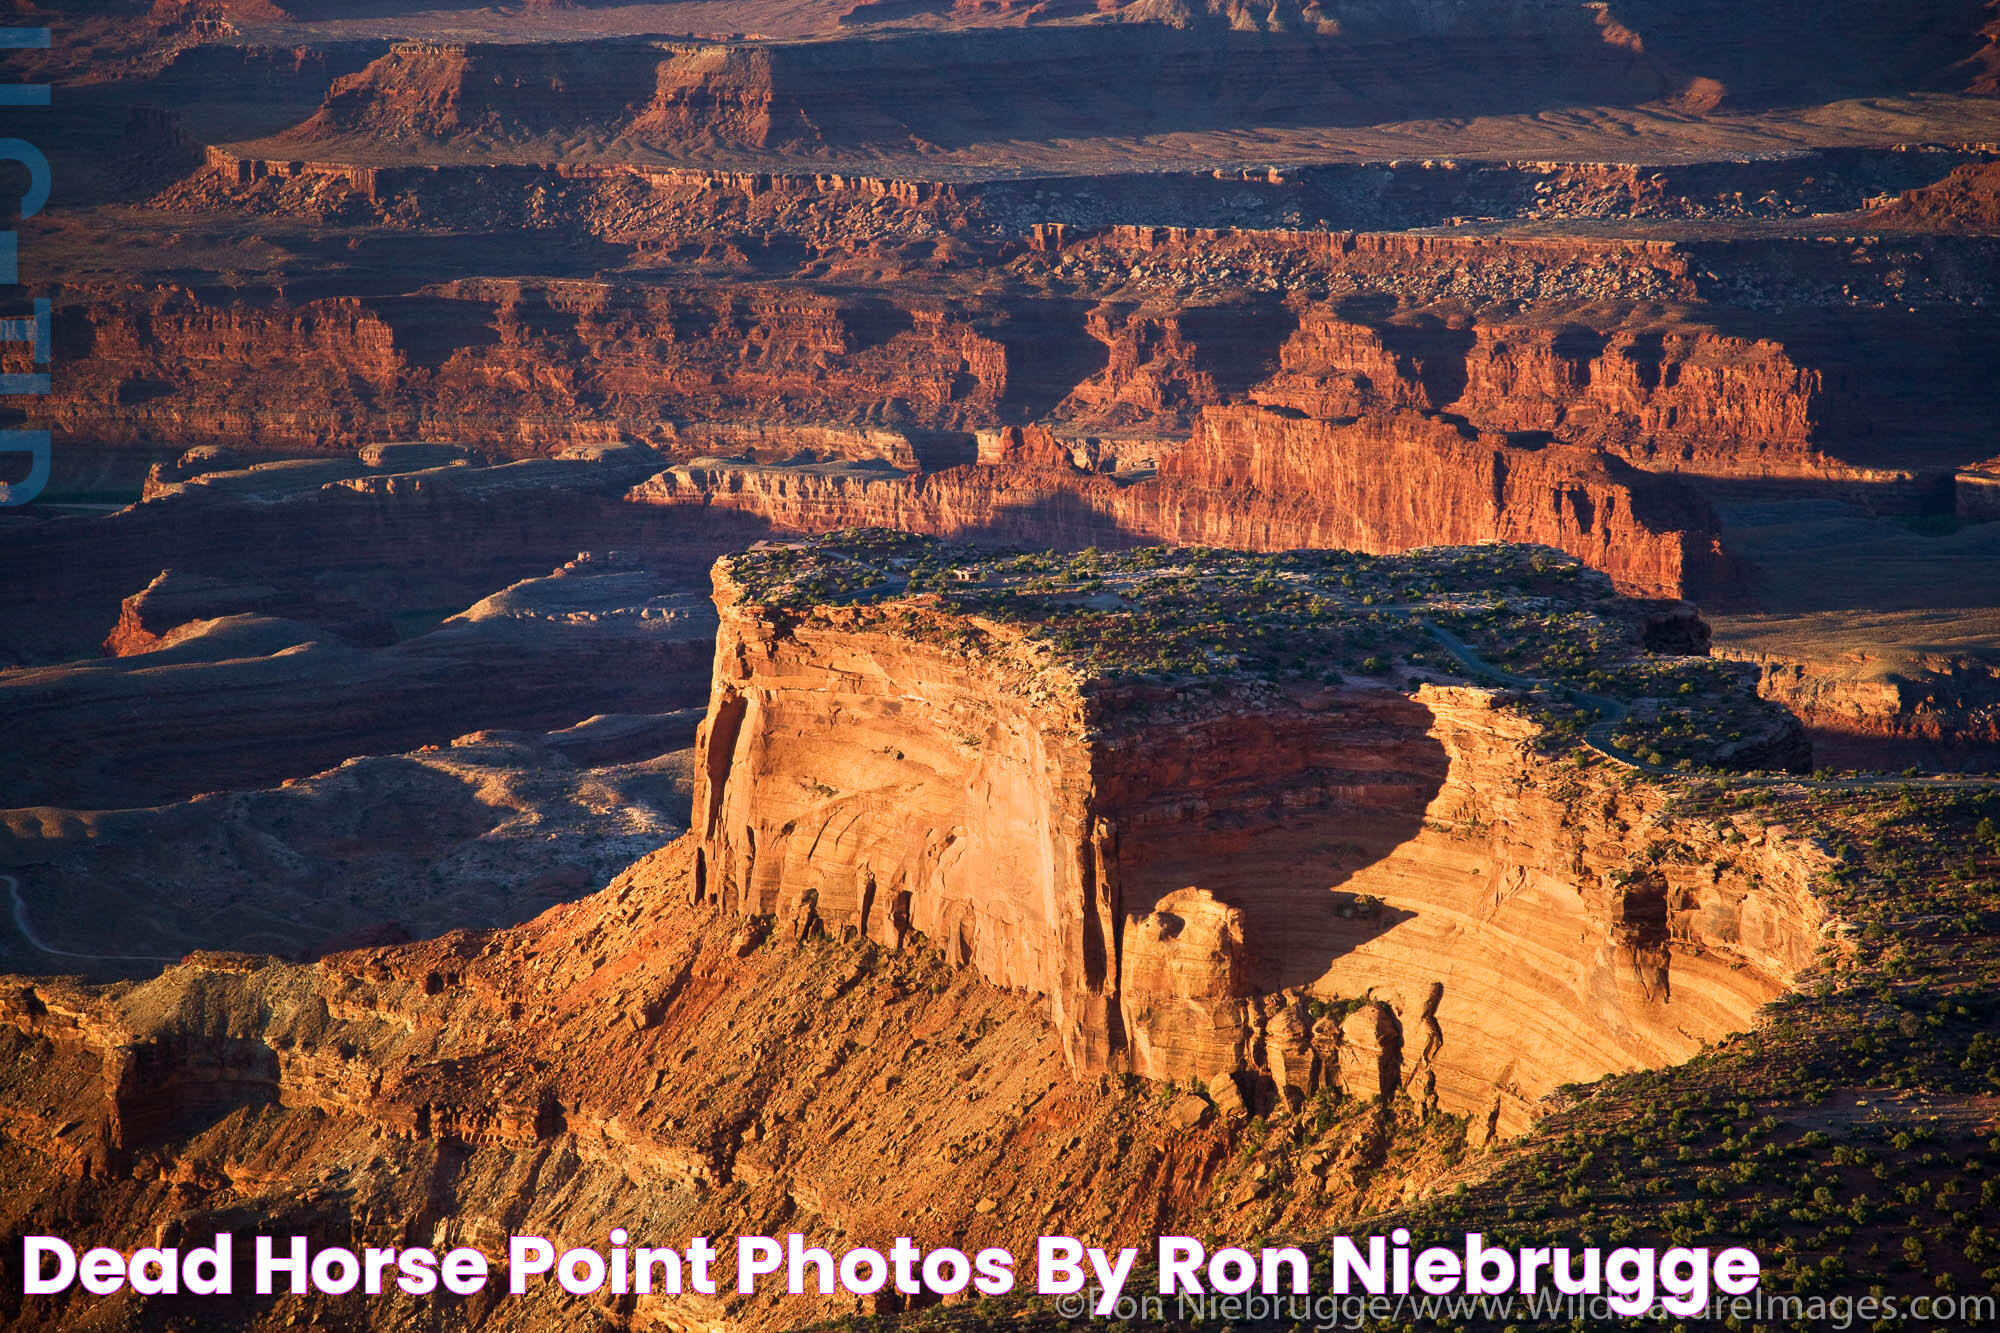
x: 1274, y: 815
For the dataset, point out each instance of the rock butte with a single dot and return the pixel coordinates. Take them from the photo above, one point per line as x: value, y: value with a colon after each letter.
x: 1202, y: 884
x: 940, y: 802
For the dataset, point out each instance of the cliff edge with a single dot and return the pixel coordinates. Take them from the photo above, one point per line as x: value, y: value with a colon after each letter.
x: 1240, y: 817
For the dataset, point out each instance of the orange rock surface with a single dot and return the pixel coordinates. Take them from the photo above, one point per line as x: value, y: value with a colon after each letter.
x: 1176, y: 878
x: 1264, y: 479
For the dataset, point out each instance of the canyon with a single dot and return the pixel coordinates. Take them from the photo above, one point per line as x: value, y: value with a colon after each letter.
x: 1336, y: 840
x: 246, y: 695
x: 902, y: 852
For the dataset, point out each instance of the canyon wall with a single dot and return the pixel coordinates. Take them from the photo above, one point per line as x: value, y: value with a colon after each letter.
x: 1390, y: 482
x: 900, y: 90
x: 1667, y: 398
x: 846, y: 1068
x: 1001, y: 785
x: 1261, y: 479
x: 1191, y: 68
x: 521, y: 368
x: 1194, y: 883
x: 1940, y: 712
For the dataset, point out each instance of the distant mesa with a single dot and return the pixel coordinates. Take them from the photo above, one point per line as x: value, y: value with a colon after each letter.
x: 945, y: 75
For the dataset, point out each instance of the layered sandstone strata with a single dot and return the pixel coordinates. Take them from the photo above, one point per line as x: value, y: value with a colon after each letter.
x: 321, y: 532
x: 1389, y: 482
x: 447, y: 363
x: 148, y: 618
x: 233, y: 1082
x: 1262, y: 479
x: 1966, y: 200
x: 629, y: 361
x: 1672, y: 398
x: 1197, y: 878
x: 1225, y: 853
x: 652, y: 204
x: 1938, y: 710
x: 902, y: 90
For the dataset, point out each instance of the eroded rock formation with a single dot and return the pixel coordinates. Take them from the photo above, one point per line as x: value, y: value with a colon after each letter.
x: 148, y: 618
x: 1664, y: 398
x: 1192, y: 880
x: 1262, y: 479
x: 449, y: 364
x: 919, y: 827
x: 1943, y: 711
x: 900, y: 90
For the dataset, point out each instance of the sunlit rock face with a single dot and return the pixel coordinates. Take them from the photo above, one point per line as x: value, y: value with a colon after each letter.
x: 1303, y: 882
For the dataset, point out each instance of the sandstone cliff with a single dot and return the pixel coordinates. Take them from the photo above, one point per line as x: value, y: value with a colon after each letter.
x: 1665, y: 398
x: 1192, y: 879
x: 902, y: 90
x: 1389, y: 482
x: 520, y: 368
x: 1936, y: 710
x: 1263, y: 479
x: 364, y: 1099
x: 1346, y: 894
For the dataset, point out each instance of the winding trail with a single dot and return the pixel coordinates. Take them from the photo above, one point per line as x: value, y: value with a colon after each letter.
x: 37, y: 943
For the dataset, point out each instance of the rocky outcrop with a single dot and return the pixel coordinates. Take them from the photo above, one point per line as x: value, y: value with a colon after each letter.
x: 1187, y: 886
x: 1976, y: 492
x: 914, y: 836
x: 234, y: 1082
x: 420, y: 543
x: 1164, y: 366
x: 1263, y: 479
x: 447, y: 363
x: 1677, y: 399
x: 1937, y: 711
x: 520, y: 368
x: 441, y: 90
x: 900, y: 90
x: 148, y: 618
x: 1966, y: 200
x: 1269, y: 479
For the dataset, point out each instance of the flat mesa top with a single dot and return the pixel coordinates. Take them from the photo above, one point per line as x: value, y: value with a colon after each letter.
x: 1523, y: 617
